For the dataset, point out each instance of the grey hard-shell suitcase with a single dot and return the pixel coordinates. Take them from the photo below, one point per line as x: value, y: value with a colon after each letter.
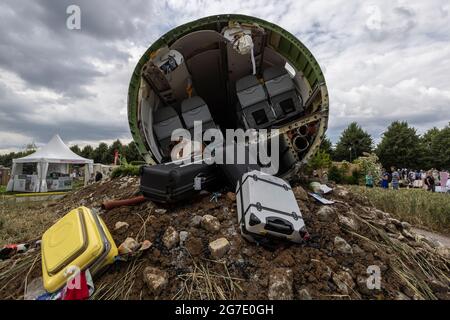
x: 267, y: 208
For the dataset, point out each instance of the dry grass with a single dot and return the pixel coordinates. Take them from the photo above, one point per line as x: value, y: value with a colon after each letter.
x: 203, y: 283
x: 23, y: 222
x: 414, y: 267
x: 417, y: 206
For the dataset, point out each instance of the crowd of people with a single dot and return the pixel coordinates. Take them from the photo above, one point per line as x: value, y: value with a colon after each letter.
x: 429, y: 180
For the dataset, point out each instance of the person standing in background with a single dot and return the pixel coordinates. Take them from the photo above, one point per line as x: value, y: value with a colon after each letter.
x: 444, y: 178
x: 395, y: 179
x: 369, y: 180
x: 430, y: 182
x: 385, y: 180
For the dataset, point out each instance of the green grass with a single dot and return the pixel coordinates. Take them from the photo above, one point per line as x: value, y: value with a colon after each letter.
x: 2, y: 189
x: 22, y: 222
x: 416, y: 206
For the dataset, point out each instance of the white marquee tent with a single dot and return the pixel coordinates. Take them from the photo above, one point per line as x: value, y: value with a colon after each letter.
x: 53, y: 157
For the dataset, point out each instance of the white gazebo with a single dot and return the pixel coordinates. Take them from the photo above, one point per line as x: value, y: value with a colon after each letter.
x: 52, y: 169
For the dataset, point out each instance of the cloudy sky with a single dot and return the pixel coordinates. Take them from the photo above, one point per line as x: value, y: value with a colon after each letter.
x: 383, y: 61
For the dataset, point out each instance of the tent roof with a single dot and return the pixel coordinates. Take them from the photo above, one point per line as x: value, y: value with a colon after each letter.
x: 55, y: 151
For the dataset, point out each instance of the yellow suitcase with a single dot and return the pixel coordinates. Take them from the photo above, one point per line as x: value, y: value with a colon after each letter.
x: 79, y: 239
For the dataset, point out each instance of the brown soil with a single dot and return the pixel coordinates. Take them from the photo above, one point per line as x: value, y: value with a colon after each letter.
x: 313, y: 263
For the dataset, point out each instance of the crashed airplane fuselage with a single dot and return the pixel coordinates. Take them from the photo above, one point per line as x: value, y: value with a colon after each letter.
x: 230, y: 72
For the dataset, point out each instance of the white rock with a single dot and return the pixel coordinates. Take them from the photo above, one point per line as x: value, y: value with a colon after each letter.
x: 170, y: 238
x: 155, y: 279
x: 128, y: 246
x: 304, y: 294
x: 280, y: 284
x: 183, y: 237
x: 326, y: 214
x: 210, y: 223
x: 196, y: 220
x: 348, y: 222
x: 121, y: 225
x: 342, y: 246
x: 219, y: 248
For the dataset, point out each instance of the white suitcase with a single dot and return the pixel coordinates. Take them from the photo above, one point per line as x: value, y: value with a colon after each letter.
x: 267, y: 208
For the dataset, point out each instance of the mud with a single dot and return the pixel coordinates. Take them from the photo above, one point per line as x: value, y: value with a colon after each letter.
x: 315, y: 264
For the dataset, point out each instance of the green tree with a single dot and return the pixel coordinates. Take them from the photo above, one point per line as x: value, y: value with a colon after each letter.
x: 100, y: 154
x: 428, y: 159
x: 353, y: 142
x: 320, y: 160
x: 132, y: 153
x: 326, y: 146
x: 440, y: 149
x: 400, y: 147
x: 76, y: 149
x: 87, y: 152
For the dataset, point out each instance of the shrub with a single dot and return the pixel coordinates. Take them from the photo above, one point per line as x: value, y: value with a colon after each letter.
x: 335, y: 174
x: 125, y: 170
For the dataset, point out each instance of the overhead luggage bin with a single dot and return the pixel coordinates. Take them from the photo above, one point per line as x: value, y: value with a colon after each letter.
x: 253, y: 102
x: 80, y: 239
x: 196, y: 109
x: 281, y: 90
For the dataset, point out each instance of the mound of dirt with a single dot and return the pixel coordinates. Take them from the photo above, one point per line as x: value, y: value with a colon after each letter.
x: 353, y: 248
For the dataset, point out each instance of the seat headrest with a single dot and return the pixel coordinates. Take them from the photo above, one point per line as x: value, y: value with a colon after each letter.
x: 274, y: 72
x: 247, y: 82
x: 192, y: 103
x: 164, y: 113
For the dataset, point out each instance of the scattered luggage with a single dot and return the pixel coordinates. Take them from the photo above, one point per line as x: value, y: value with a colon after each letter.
x: 267, y: 208
x: 174, y: 181
x: 80, y: 240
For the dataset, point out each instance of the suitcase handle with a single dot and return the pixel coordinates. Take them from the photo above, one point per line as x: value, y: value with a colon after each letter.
x: 279, y: 225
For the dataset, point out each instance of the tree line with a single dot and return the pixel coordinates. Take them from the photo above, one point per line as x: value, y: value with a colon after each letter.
x: 400, y: 146
x: 103, y: 153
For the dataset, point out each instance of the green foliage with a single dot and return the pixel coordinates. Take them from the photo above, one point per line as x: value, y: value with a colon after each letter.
x: 400, y: 147
x: 87, y: 152
x: 125, y: 170
x: 326, y: 146
x: 101, y: 154
x: 76, y: 149
x: 370, y: 163
x: 6, y: 159
x: 354, y: 179
x: 439, y: 150
x: 132, y: 154
x: 335, y: 174
x: 320, y: 160
x: 354, y: 141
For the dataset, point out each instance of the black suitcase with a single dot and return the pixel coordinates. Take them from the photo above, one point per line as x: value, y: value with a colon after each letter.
x: 233, y: 172
x: 172, y: 182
